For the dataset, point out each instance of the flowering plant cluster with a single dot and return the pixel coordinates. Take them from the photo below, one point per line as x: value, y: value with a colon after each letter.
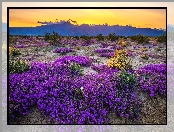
x: 14, y: 51
x: 130, y: 53
x: 69, y: 98
x: 143, y: 49
x: 122, y: 43
x: 108, y: 92
x: 22, y: 46
x: 103, y: 45
x: 137, y: 47
x: 29, y: 58
x: 73, y: 44
x: 18, y: 66
x: 87, y: 43
x: 117, y: 47
x: 63, y: 50
x: 10, y: 49
x: 104, y: 68
x: 56, y: 92
x: 120, y: 60
x: 140, y: 39
x: 81, y: 60
x: 144, y: 56
x: 27, y: 87
x: 152, y: 79
x: 66, y: 103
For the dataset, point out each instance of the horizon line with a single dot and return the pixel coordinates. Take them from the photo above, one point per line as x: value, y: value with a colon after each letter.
x: 104, y: 24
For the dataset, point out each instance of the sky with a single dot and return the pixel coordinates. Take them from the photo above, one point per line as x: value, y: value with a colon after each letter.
x: 135, y: 17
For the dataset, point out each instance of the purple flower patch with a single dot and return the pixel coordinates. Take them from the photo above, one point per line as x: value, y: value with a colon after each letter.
x: 81, y: 60
x: 63, y: 50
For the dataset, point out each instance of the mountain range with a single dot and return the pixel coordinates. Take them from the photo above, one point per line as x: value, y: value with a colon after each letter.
x: 68, y: 29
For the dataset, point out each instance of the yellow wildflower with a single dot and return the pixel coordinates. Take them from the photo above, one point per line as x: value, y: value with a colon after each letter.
x: 21, y: 62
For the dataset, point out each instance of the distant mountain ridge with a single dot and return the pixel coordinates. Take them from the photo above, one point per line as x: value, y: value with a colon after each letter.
x: 68, y: 29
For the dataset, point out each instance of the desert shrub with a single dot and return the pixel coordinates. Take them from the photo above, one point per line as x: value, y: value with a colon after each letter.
x: 161, y: 38
x: 53, y: 39
x: 158, y: 49
x: 92, y: 54
x: 100, y: 37
x: 77, y: 47
x: 10, y: 50
x: 86, y: 38
x: 76, y: 68
x: 14, y: 51
x: 12, y: 39
x: 122, y: 43
x: 18, y: 66
x: 127, y: 79
x: 141, y: 39
x: 143, y: 49
x: 77, y: 37
x: 144, y: 56
x: 112, y: 37
x: 133, y: 38
x: 120, y: 60
x: 36, y: 49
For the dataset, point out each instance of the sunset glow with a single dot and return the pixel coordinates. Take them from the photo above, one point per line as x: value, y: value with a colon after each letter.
x: 152, y: 18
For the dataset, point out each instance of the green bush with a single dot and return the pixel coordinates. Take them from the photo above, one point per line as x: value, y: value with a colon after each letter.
x: 127, y: 79
x: 112, y: 37
x: 144, y: 56
x: 86, y: 38
x: 18, y: 66
x: 142, y: 39
x: 161, y: 38
x: 77, y: 69
x: 36, y: 49
x: 53, y: 39
x: 14, y: 51
x: 100, y: 37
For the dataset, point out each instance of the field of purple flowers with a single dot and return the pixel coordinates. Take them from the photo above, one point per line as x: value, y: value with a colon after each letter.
x: 73, y: 84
